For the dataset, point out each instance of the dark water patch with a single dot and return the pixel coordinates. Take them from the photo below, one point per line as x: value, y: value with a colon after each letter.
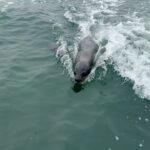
x: 77, y: 87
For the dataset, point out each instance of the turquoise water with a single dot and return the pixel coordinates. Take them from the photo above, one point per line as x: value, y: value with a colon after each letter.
x: 40, y: 108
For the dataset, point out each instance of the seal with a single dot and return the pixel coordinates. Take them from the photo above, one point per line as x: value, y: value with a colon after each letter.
x: 84, y: 61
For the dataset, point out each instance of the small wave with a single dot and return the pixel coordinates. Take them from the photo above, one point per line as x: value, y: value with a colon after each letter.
x: 5, y: 4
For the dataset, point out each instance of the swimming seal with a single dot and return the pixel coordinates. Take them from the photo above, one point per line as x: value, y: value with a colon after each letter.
x: 84, y: 61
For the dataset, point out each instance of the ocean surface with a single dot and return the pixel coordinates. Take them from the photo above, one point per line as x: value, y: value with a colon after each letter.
x: 40, y: 106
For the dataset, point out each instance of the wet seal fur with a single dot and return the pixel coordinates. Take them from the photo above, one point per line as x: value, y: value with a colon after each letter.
x: 84, y: 61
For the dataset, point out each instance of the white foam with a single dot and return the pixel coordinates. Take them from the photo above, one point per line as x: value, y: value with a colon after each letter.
x: 131, y: 60
x: 63, y: 54
x: 129, y: 54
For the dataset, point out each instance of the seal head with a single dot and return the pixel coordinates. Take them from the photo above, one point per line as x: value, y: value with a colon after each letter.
x: 81, y: 71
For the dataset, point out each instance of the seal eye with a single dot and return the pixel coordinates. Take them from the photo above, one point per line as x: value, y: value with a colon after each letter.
x: 74, y: 73
x: 84, y: 74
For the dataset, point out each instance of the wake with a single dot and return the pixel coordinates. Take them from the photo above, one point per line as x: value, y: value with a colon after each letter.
x: 127, y: 41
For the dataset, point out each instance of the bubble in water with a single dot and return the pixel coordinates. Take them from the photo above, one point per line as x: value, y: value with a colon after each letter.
x: 117, y: 138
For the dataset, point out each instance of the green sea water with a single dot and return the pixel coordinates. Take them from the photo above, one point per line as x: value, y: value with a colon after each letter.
x: 41, y: 109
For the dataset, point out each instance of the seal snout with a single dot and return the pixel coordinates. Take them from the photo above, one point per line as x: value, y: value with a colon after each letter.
x: 78, y: 80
